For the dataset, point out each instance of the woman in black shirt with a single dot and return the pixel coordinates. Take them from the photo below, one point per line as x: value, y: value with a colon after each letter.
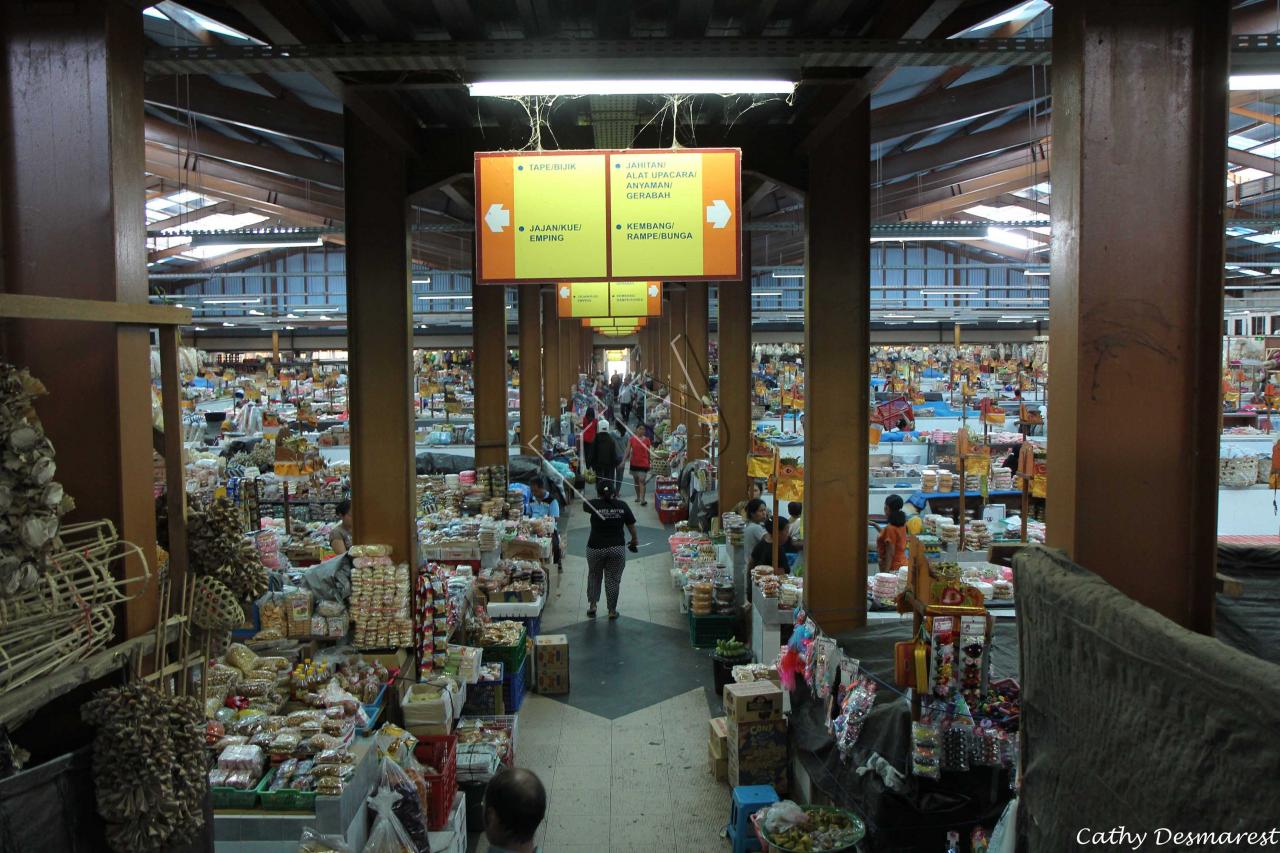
x: 605, y: 555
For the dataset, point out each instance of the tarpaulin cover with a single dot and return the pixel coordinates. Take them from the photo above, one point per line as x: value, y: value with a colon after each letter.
x: 1251, y: 623
x: 919, y: 817
x: 1130, y: 720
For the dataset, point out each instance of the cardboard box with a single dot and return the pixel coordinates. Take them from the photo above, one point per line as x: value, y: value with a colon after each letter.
x: 718, y: 765
x: 519, y: 595
x: 552, y: 681
x: 390, y: 658
x: 551, y: 651
x: 718, y: 737
x: 758, y: 747
x: 753, y: 701
x: 453, y: 837
x: 774, y: 775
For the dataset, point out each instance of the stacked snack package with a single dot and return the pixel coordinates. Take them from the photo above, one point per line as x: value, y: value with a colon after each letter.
x: 379, y: 599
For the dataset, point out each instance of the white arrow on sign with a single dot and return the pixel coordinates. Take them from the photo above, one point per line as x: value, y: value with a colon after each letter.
x: 718, y: 213
x: 498, y: 217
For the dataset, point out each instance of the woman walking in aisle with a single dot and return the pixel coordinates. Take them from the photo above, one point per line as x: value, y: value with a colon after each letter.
x: 638, y: 454
x: 605, y: 555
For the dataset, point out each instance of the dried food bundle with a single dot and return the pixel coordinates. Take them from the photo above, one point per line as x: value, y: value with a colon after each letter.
x: 31, y: 502
x: 219, y: 550
x: 148, y: 766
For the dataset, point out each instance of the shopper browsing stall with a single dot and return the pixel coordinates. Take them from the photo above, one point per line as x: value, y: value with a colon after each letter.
x: 340, y: 535
x: 606, y: 558
x: 606, y: 457
x: 638, y: 455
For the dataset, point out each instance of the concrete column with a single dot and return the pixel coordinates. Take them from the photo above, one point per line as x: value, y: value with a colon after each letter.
x: 734, y: 338
x: 836, y: 340
x: 1155, y: 161
x: 662, y: 346
x: 71, y: 164
x: 380, y: 339
x: 489, y: 329
x: 551, y: 373
x: 530, y: 314
x: 696, y: 332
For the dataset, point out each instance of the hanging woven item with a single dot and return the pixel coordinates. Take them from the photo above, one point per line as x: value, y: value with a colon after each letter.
x: 215, y: 607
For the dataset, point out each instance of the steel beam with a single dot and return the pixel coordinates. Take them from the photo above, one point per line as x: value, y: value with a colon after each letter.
x: 71, y: 108
x: 530, y: 328
x: 837, y: 324
x: 204, y: 97
x: 380, y: 335
x: 734, y: 344
x: 696, y: 329
x: 267, y: 158
x: 1153, y: 346
x: 551, y: 374
x: 489, y: 330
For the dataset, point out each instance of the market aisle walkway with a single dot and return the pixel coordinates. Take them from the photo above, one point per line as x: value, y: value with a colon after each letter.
x: 624, y: 754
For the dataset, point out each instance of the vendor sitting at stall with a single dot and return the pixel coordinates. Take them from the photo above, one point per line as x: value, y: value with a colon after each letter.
x: 543, y: 503
x: 756, y: 514
x: 892, y: 542
x: 340, y: 535
x: 762, y: 553
x: 914, y: 507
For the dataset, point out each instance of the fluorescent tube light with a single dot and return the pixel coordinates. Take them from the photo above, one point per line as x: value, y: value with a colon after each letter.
x: 323, y: 317
x: 256, y: 301
x: 291, y: 316
x: 199, y: 329
x: 947, y: 292
x: 288, y: 328
x: 767, y: 293
x: 255, y: 312
x: 1035, y: 272
x: 421, y: 280
x: 246, y: 240
x: 312, y: 310
x: 901, y: 316
x: 445, y: 296
x: 649, y: 86
x: 1247, y: 82
x: 227, y: 324
x: 788, y: 275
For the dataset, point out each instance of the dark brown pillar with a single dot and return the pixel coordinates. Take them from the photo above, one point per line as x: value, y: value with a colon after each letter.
x: 570, y: 337
x: 71, y: 168
x: 1151, y: 154
x: 530, y: 317
x: 380, y: 338
x: 836, y: 340
x: 489, y: 330
x: 734, y: 384
x: 551, y: 373
x: 696, y: 322
x: 662, y: 345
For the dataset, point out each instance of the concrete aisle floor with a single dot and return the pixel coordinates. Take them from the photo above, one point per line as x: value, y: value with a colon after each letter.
x: 624, y: 755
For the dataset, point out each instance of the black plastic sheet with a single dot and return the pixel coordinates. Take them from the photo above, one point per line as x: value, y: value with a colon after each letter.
x: 1251, y: 623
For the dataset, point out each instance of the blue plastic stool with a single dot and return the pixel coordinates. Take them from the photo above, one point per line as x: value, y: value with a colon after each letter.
x: 747, y: 799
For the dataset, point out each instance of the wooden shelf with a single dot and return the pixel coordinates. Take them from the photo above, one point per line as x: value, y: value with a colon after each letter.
x: 24, y: 307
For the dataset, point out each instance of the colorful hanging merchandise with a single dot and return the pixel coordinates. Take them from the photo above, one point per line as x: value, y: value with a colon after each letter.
x: 31, y: 503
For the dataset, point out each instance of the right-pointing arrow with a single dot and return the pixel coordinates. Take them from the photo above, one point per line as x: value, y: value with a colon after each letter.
x: 498, y: 217
x: 719, y: 213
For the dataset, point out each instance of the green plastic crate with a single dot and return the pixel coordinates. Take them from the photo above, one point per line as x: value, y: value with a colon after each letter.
x: 286, y: 800
x: 511, y: 657
x: 705, y: 630
x: 234, y: 798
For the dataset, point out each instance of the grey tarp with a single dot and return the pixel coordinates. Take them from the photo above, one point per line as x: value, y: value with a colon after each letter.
x: 330, y: 580
x: 1251, y: 623
x: 1130, y: 720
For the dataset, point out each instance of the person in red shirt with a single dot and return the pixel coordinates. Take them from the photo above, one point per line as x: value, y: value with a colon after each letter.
x: 638, y: 454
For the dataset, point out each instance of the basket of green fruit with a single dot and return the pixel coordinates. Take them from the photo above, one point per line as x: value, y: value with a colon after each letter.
x: 787, y: 828
x: 728, y: 654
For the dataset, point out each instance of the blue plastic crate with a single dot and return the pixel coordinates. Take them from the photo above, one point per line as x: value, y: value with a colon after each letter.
x: 373, y: 710
x: 514, y: 687
x: 532, y: 624
x: 485, y: 698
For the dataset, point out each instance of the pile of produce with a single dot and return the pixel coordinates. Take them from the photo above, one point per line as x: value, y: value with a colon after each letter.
x: 732, y: 649
x: 810, y: 829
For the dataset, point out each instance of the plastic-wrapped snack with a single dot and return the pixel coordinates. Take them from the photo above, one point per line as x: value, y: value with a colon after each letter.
x: 274, y: 662
x: 321, y: 770
x: 221, y: 674
x: 239, y: 656
x: 255, y: 687
x: 330, y: 786
x: 273, y: 723
x: 297, y: 718
x: 335, y: 726
x: 333, y: 695
x: 230, y: 740
x: 263, y: 739
x: 218, y: 777
x: 319, y: 626
x: 330, y: 608
x: 370, y: 551
x: 336, y: 627
x: 320, y: 742
x: 302, y: 779
x: 283, y: 774
x: 242, y: 757
x: 338, y: 755
x: 926, y: 750
x: 286, y: 742
x: 395, y: 743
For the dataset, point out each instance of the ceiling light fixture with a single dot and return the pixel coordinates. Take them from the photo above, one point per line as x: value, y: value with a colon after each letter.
x: 649, y: 86
x: 1035, y: 272
x: 767, y: 293
x: 255, y: 312
x: 227, y: 324
x: 947, y: 292
x: 272, y: 239
x: 788, y: 275
x: 323, y: 317
x: 199, y: 329
x: 1249, y: 82
x: 445, y: 296
x: 421, y: 280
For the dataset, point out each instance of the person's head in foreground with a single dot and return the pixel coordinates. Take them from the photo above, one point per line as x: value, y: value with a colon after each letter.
x: 606, y: 489
x: 514, y: 804
x: 891, y: 504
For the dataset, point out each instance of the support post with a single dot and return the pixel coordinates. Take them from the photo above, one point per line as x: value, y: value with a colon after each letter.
x: 836, y: 340
x: 72, y: 167
x: 489, y: 333
x: 570, y: 338
x: 530, y: 316
x: 1152, y: 346
x: 696, y: 323
x: 663, y: 348
x: 677, y: 350
x: 551, y: 374
x: 380, y: 339
x: 735, y: 381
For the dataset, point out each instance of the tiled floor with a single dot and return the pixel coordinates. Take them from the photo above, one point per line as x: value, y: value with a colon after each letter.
x: 624, y: 755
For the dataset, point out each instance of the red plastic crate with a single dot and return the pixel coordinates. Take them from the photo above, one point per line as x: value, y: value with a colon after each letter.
x: 671, y: 516
x: 440, y: 752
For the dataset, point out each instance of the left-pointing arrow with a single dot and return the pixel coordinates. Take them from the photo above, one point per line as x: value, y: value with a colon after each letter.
x: 498, y: 217
x: 719, y: 213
